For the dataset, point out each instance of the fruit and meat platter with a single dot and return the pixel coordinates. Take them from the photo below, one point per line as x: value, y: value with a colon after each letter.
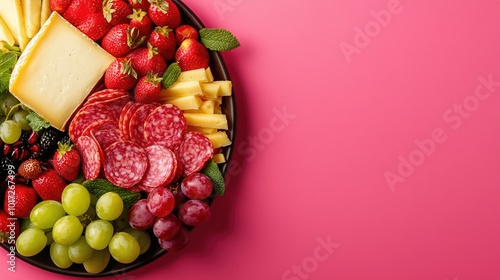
x: 115, y: 128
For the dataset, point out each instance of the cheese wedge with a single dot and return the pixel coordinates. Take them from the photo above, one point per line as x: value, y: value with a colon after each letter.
x: 32, y: 10
x: 11, y: 12
x: 5, y: 34
x: 57, y: 71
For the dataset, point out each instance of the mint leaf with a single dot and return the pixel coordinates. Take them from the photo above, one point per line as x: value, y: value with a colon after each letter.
x: 213, y: 172
x: 171, y: 75
x: 7, y: 62
x: 36, y: 122
x: 99, y: 187
x: 218, y: 39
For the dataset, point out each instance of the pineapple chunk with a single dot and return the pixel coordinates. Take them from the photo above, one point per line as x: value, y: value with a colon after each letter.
x: 218, y: 121
x: 219, y: 139
x: 5, y: 34
x: 32, y: 10
x: 199, y: 75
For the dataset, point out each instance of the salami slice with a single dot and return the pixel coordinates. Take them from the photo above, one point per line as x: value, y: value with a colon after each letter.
x: 136, y: 124
x: 194, y: 151
x: 99, y: 125
x: 106, y: 95
x: 106, y: 137
x: 125, y: 163
x: 165, y: 126
x: 86, y: 116
x: 91, y: 156
x: 162, y: 167
x: 125, y: 119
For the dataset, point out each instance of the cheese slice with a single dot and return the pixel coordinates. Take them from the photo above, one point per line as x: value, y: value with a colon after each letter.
x: 32, y: 10
x: 5, y: 34
x: 45, y: 11
x: 57, y: 71
x: 12, y: 13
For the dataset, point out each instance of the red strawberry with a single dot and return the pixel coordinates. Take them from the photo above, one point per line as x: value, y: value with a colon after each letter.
x: 139, y: 4
x: 49, y: 185
x: 20, y: 202
x: 59, y: 6
x: 116, y: 11
x: 121, y: 39
x: 148, y: 88
x: 163, y: 38
x: 120, y: 74
x: 192, y: 54
x: 30, y: 168
x: 185, y: 32
x: 79, y: 10
x: 146, y: 60
x: 67, y: 161
x: 9, y: 229
x: 95, y: 26
x: 165, y: 13
x: 140, y: 20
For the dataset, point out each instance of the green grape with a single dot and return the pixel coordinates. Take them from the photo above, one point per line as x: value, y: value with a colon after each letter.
x: 46, y: 213
x: 122, y: 221
x: 109, y: 206
x: 98, y: 262
x: 124, y: 248
x: 75, y: 199
x: 67, y: 230
x: 60, y: 255
x: 88, y: 216
x: 142, y: 237
x: 98, y: 234
x: 10, y: 131
x: 31, y: 242
x: 80, y: 251
x: 50, y: 239
x: 20, y: 118
x: 9, y: 101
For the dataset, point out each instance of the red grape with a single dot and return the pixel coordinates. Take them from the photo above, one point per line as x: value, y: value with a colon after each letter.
x: 194, y: 212
x: 176, y: 243
x: 139, y: 216
x: 197, y: 186
x: 166, y: 227
x: 161, y: 202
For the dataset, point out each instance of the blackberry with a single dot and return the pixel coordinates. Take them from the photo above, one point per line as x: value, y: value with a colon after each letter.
x: 48, y: 141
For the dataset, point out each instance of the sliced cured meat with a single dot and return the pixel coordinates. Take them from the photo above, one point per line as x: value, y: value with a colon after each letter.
x: 125, y: 117
x: 106, y: 137
x: 106, y: 95
x: 121, y: 118
x: 91, y: 156
x: 86, y: 116
x: 162, y: 167
x: 125, y: 163
x: 165, y: 126
x: 99, y: 125
x: 136, y: 124
x: 194, y: 151
x: 116, y: 105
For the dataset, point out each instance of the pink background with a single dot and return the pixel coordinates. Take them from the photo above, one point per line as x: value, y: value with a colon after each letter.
x: 317, y: 175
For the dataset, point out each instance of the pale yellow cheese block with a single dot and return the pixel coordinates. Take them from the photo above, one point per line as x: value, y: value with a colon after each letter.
x: 218, y: 121
x: 57, y: 71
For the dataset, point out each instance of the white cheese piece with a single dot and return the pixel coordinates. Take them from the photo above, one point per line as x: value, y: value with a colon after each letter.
x: 57, y: 71
x: 45, y: 11
x: 31, y: 11
x: 5, y: 34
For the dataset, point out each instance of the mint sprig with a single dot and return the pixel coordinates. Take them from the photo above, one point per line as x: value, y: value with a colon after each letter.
x: 213, y: 172
x: 218, y: 39
x: 36, y: 122
x: 98, y: 187
x: 7, y: 62
x: 171, y: 75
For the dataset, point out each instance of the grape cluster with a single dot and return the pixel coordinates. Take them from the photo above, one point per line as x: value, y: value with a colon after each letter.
x: 13, y: 119
x: 82, y: 229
